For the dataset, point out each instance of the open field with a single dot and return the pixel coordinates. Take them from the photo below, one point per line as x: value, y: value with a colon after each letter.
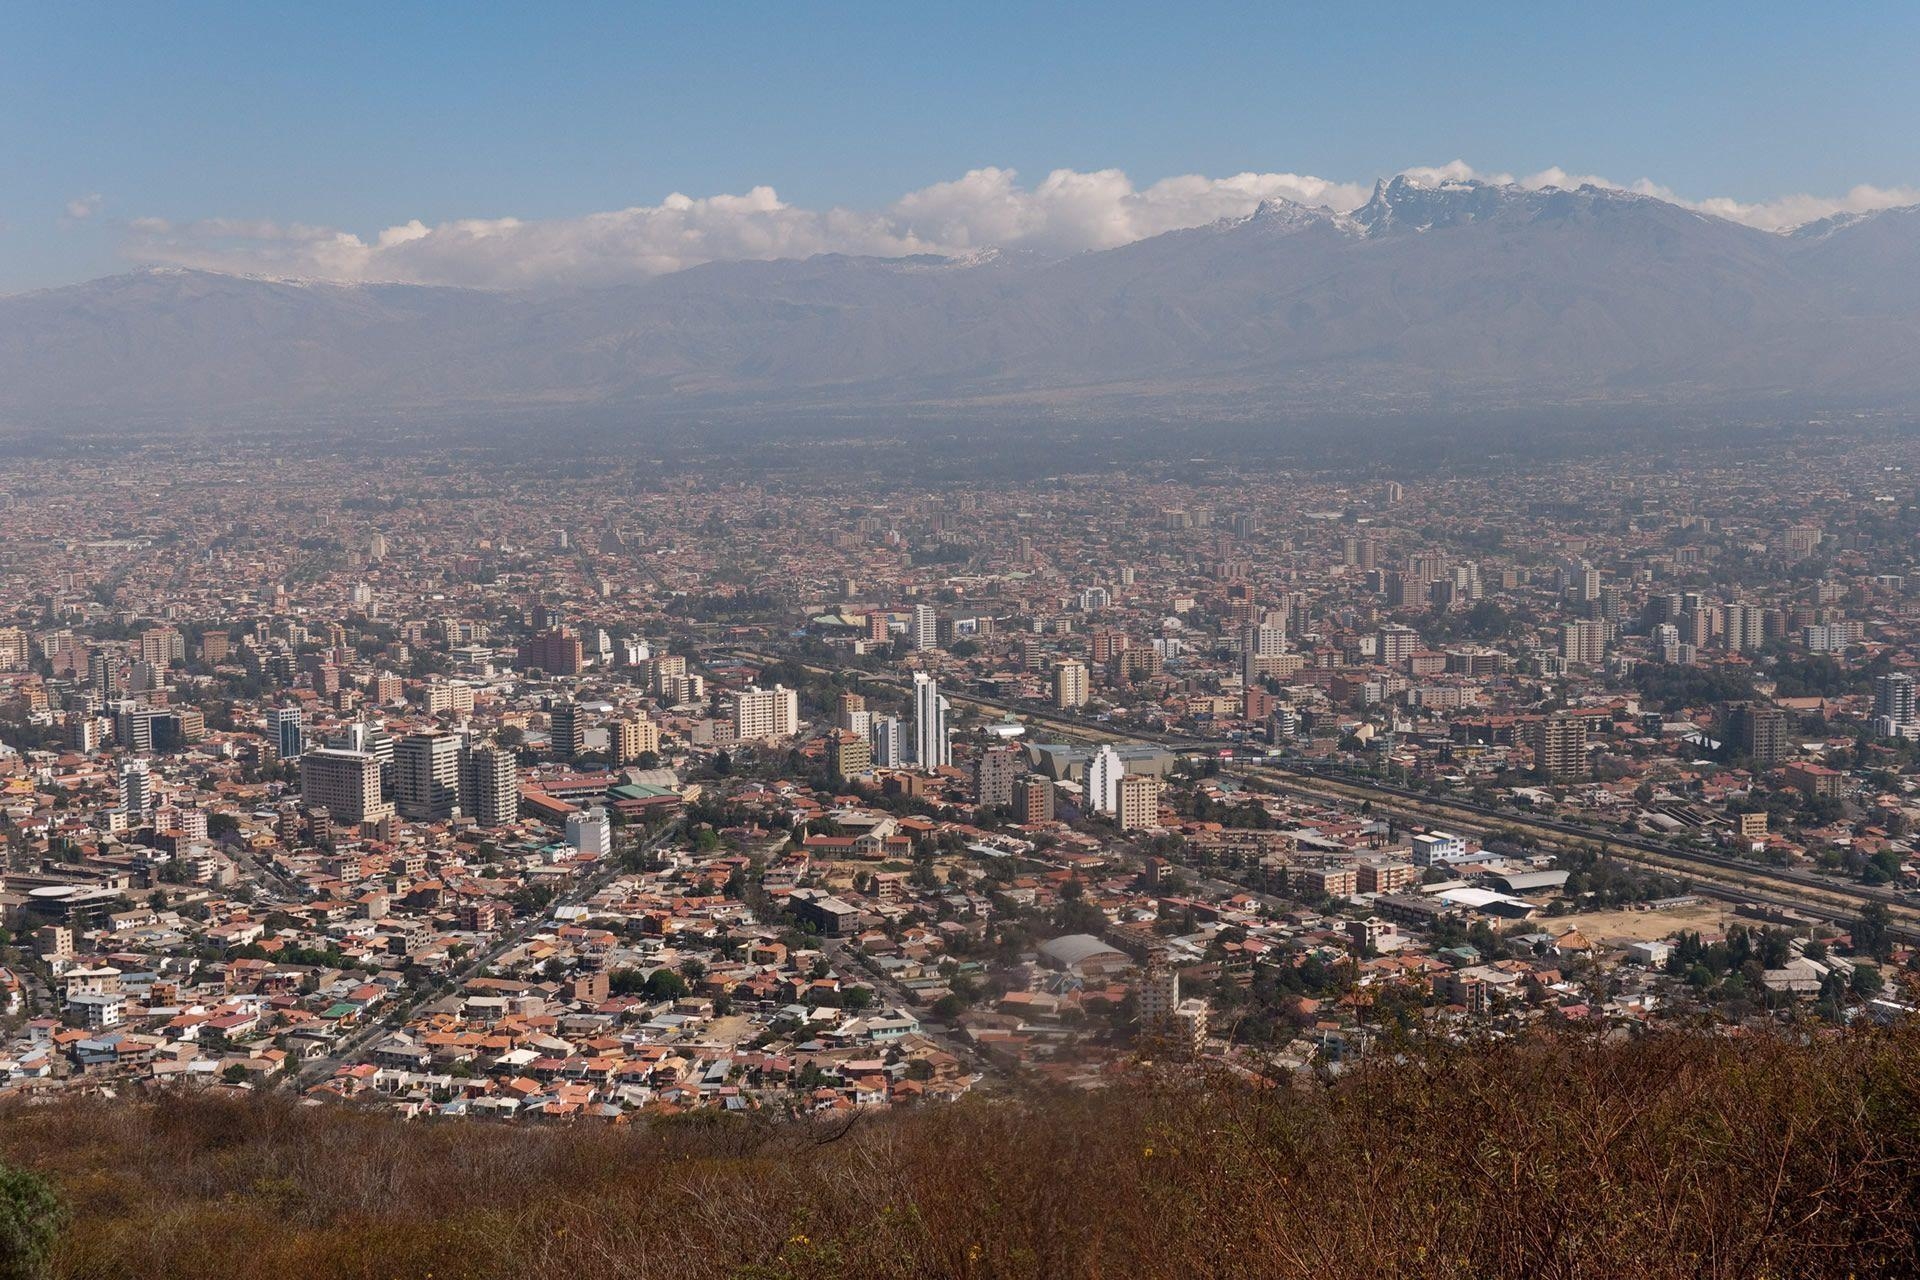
x: 1601, y: 927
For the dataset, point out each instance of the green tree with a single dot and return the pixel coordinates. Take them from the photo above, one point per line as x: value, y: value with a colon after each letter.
x: 665, y: 984
x: 31, y: 1215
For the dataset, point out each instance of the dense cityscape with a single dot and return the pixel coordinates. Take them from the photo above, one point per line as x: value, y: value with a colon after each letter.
x: 462, y: 785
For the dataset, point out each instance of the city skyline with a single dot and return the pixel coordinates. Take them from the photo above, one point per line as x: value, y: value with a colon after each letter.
x: 998, y: 641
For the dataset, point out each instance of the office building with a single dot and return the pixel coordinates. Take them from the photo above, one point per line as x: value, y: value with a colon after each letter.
x: 567, y: 729
x: 377, y: 742
x: 1745, y: 628
x: 1261, y: 643
x: 288, y: 734
x: 133, y: 725
x: 589, y: 833
x: 103, y: 674
x: 1894, y: 698
x: 345, y: 783
x: 427, y: 775
x: 85, y: 733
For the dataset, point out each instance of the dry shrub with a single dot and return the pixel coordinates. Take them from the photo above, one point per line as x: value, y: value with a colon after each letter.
x: 1559, y: 1156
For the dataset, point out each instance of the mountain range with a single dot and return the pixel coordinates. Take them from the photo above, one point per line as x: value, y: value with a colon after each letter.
x: 1458, y: 295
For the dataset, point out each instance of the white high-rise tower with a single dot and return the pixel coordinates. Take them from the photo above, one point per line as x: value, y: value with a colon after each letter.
x: 930, y: 748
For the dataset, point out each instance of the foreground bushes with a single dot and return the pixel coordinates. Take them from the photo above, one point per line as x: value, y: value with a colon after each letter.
x: 1561, y: 1157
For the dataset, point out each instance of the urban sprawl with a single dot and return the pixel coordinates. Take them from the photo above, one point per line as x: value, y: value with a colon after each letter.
x: 468, y: 785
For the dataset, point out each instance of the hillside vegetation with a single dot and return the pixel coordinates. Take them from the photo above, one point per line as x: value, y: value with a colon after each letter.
x: 1563, y: 1156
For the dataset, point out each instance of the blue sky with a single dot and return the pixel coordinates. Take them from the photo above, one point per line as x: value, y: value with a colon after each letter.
x: 363, y: 117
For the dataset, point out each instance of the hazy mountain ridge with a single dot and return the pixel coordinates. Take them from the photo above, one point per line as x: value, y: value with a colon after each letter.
x: 1463, y: 291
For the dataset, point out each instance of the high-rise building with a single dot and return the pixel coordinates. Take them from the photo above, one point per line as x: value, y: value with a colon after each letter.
x: 1104, y: 772
x: 1894, y: 705
x: 1262, y: 642
x: 15, y: 649
x: 1159, y: 993
x: 133, y: 724
x: 1584, y: 641
x: 490, y: 785
x: 848, y: 753
x: 343, y: 782
x: 1070, y: 684
x: 1666, y: 642
x: 84, y: 732
x: 557, y: 651
x: 363, y: 735
x: 931, y: 749
x: 289, y: 736
x: 628, y: 740
x: 1745, y: 627
x: 161, y: 647
x: 103, y: 673
x: 136, y: 789
x: 1394, y: 645
x: 1033, y: 798
x: 1560, y: 746
x: 994, y: 774
x: 427, y: 775
x: 1759, y: 730
x: 589, y: 833
x: 567, y: 729
x: 762, y: 714
x: 889, y: 743
x: 1139, y: 802
x: 924, y: 631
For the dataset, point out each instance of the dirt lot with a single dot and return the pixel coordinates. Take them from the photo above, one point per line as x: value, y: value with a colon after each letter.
x: 1601, y: 927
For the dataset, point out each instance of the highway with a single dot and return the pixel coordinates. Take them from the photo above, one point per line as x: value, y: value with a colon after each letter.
x: 1737, y: 879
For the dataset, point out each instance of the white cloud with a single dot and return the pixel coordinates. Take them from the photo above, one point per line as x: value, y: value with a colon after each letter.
x: 1784, y: 212
x: 80, y: 208
x: 1065, y: 212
